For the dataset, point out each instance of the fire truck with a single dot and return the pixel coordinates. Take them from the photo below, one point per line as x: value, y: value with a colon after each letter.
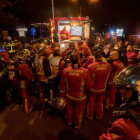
x: 78, y: 29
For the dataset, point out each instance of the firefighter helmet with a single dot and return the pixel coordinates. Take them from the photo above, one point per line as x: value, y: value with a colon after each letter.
x: 59, y: 103
x: 129, y: 77
x: 25, y: 53
x: 98, y: 47
x: 41, y: 50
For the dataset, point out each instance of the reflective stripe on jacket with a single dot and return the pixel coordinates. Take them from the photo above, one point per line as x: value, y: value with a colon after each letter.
x: 74, y: 82
x: 100, y: 72
x: 39, y: 70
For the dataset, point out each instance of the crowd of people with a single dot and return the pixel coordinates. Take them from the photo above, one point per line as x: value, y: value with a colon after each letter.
x: 86, y: 81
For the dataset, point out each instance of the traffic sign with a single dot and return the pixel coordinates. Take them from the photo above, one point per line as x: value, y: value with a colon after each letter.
x: 33, y: 31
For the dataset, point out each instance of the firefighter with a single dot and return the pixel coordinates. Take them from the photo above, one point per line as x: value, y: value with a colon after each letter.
x: 23, y: 78
x: 85, y: 51
x: 126, y: 122
x: 54, y: 60
x: 100, y: 72
x: 25, y: 53
x: 110, y: 48
x: 117, y: 67
x: 4, y: 55
x: 72, y: 48
x: 92, y: 59
x: 45, y: 79
x: 131, y: 56
x: 75, y: 80
x: 50, y: 50
x: 65, y: 63
x: 64, y: 35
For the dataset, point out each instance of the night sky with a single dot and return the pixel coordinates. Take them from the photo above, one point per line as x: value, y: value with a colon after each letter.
x: 118, y: 13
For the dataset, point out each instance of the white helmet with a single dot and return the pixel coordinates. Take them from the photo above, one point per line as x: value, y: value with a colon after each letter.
x: 25, y: 53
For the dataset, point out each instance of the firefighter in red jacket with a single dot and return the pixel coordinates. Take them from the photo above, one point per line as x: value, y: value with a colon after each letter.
x: 64, y: 35
x: 74, y: 81
x: 72, y: 48
x: 4, y: 55
x: 50, y: 50
x: 126, y: 122
x: 66, y: 63
x: 100, y: 72
x: 85, y: 51
x: 131, y: 56
x: 91, y: 59
x: 117, y: 67
x: 45, y: 79
x: 23, y: 78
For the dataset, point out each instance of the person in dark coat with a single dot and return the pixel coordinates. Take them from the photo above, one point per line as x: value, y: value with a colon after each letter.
x: 122, y: 54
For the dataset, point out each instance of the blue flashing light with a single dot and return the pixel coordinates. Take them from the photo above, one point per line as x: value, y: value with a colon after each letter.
x: 112, y: 32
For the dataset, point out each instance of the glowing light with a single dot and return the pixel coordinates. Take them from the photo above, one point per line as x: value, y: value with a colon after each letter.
x: 93, y: 0
x: 112, y: 32
x: 133, y: 81
x: 62, y: 45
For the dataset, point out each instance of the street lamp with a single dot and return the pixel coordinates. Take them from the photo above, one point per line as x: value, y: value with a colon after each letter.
x: 93, y: 0
x: 80, y: 3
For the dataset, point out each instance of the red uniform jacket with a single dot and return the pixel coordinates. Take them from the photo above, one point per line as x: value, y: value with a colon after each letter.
x: 100, y: 72
x: 91, y: 60
x: 24, y: 69
x: 74, y: 82
x: 5, y: 56
x: 131, y: 57
x: 64, y: 35
x: 122, y: 129
x: 49, y: 51
x: 62, y: 55
x: 63, y: 66
x: 117, y: 67
x: 86, y: 51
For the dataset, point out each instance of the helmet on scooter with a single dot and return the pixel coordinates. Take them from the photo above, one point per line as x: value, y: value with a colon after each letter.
x: 129, y: 77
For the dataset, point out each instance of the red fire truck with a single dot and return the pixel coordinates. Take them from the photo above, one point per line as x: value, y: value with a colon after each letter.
x: 77, y: 28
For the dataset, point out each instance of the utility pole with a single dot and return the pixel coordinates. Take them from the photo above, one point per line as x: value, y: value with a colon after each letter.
x: 80, y: 2
x: 53, y: 13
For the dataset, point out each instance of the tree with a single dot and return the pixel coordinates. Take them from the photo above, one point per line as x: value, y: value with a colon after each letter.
x: 6, y: 15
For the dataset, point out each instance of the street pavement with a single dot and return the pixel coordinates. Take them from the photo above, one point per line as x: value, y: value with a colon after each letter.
x: 48, y: 125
